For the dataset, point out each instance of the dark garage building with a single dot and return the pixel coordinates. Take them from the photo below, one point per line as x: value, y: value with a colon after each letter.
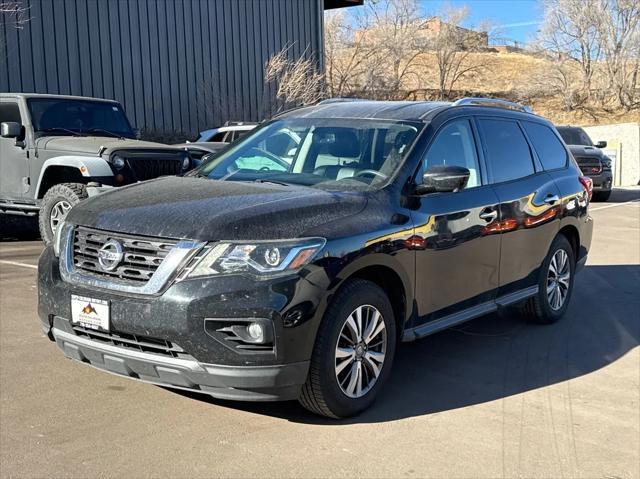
x: 175, y: 65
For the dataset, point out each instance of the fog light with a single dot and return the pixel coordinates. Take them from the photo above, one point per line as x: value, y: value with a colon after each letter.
x: 256, y: 332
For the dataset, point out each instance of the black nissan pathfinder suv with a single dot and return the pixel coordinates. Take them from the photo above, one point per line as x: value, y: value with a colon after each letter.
x: 258, y: 277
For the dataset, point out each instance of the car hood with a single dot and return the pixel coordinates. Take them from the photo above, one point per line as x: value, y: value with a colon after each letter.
x: 205, y: 210
x: 95, y: 145
x: 585, y: 151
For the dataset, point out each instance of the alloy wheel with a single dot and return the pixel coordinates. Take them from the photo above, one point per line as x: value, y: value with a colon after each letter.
x: 360, y: 351
x: 59, y: 212
x: 558, y: 279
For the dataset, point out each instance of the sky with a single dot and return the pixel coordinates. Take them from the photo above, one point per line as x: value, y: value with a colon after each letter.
x: 517, y: 19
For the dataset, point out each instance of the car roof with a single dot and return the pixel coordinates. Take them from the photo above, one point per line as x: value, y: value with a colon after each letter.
x: 59, y: 97
x: 402, y: 110
x: 373, y: 109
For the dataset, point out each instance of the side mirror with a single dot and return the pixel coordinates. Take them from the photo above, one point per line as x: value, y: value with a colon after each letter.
x: 601, y: 144
x: 443, y: 179
x: 10, y: 129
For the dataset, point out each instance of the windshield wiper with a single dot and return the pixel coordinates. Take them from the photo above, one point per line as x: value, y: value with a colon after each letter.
x: 61, y: 130
x: 102, y: 130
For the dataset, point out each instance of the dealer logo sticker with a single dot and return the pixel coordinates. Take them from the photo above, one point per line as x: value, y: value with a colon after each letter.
x: 90, y: 312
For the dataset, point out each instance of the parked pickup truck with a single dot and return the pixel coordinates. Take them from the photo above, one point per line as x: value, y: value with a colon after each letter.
x: 57, y: 150
x: 591, y: 160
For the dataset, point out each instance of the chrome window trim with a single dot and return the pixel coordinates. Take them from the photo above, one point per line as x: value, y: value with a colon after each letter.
x: 179, y: 256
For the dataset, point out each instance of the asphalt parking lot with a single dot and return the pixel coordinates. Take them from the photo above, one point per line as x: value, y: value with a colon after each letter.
x: 494, y: 398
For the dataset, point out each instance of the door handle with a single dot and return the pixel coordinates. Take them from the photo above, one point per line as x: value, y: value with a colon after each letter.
x: 551, y: 199
x: 489, y: 215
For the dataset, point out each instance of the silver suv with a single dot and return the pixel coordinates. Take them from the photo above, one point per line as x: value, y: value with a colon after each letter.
x: 57, y: 150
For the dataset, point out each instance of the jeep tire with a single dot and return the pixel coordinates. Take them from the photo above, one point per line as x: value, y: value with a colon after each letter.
x: 57, y: 202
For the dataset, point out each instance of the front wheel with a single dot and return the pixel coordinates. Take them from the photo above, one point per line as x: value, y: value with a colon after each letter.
x: 555, y: 284
x: 353, y: 353
x: 57, y: 202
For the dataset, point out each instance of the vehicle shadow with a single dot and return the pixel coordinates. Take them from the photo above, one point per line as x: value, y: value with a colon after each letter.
x: 620, y: 195
x: 18, y: 228
x: 498, y: 355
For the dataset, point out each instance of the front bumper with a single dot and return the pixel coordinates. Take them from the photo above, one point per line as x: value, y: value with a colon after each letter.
x: 246, y: 383
x: 181, y: 316
x: 602, y: 181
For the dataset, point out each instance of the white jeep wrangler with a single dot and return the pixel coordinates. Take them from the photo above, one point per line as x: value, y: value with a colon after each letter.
x: 57, y: 150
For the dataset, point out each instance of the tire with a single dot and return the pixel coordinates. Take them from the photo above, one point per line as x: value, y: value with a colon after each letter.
x: 58, y: 200
x: 540, y: 308
x: 601, y: 196
x: 323, y: 393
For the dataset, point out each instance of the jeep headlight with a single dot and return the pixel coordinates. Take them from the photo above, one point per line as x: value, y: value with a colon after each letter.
x: 256, y: 258
x: 117, y: 162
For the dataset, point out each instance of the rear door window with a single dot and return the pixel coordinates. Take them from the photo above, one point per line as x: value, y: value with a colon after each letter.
x: 506, y: 149
x: 547, y: 145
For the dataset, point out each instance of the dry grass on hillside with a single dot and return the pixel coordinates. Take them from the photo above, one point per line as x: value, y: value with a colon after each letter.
x: 513, y: 76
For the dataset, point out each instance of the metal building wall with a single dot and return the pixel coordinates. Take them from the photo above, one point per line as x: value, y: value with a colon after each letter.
x: 180, y: 65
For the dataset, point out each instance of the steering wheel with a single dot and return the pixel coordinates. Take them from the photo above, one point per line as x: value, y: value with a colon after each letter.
x: 370, y: 172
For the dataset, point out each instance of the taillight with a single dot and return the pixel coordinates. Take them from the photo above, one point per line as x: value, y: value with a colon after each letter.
x: 588, y: 185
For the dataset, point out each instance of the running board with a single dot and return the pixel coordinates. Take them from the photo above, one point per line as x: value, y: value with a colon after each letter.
x: 468, y: 314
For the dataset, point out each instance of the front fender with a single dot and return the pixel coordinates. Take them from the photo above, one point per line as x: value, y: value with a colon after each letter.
x: 88, y: 166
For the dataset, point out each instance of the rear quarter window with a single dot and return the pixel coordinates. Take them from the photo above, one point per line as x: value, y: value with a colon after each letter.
x: 547, y: 145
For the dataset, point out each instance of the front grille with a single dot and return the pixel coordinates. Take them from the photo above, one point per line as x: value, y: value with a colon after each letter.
x: 135, y: 342
x: 149, y: 169
x: 148, y: 164
x: 589, y: 166
x: 141, y: 256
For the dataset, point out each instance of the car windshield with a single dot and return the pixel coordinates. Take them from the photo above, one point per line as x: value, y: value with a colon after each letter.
x: 574, y: 136
x: 336, y: 154
x: 54, y: 116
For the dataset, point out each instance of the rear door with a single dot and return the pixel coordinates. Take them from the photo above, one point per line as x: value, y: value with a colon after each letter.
x: 529, y: 201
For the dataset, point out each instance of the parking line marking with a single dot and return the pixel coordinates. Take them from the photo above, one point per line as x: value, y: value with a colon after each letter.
x: 15, y: 263
x: 614, y: 205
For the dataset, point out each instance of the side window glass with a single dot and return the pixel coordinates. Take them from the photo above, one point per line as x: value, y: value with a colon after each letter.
x: 455, y: 146
x: 218, y: 137
x: 507, y: 150
x: 549, y: 149
x: 10, y: 112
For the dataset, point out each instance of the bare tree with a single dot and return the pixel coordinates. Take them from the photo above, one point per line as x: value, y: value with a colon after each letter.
x: 298, y: 81
x: 348, y: 53
x: 570, y: 30
x: 453, y: 48
x: 14, y: 13
x: 619, y: 39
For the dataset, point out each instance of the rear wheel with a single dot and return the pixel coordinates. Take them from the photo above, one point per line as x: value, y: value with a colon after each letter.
x: 57, y: 202
x: 555, y: 284
x: 601, y: 195
x: 353, y: 354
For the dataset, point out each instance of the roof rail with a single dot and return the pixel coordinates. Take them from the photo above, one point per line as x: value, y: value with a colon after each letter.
x: 494, y: 102
x: 338, y: 100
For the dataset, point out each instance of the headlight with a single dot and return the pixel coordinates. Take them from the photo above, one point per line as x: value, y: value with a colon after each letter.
x: 606, y: 163
x: 186, y: 163
x: 117, y: 162
x: 58, y: 238
x: 257, y: 258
